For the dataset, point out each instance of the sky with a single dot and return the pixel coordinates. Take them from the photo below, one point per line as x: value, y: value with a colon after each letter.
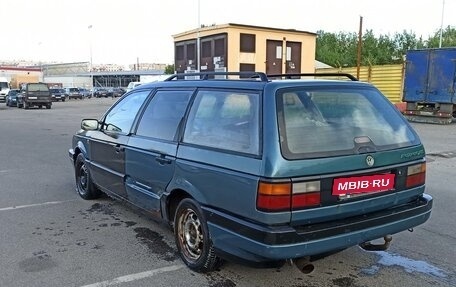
x: 123, y: 31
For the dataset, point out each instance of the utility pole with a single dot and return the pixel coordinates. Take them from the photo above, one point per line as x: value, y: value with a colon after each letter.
x: 441, y: 24
x: 360, y: 45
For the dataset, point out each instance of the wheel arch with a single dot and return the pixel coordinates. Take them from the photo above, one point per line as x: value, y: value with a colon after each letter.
x: 80, y: 148
x: 171, y: 201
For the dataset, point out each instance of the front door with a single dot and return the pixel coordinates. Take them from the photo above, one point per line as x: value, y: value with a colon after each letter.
x: 293, y: 58
x: 274, y: 54
x: 107, y: 146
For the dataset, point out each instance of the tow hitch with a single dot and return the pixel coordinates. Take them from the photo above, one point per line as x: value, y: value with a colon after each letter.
x: 368, y: 246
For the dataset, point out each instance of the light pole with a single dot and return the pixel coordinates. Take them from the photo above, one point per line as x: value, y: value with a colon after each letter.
x: 198, y: 40
x: 441, y: 24
x: 91, y: 63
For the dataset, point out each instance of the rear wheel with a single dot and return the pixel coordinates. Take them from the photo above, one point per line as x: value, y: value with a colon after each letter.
x: 84, y: 184
x: 193, y: 239
x: 48, y: 106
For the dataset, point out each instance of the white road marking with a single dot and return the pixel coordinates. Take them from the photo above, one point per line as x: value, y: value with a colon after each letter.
x: 34, y: 205
x: 134, y: 277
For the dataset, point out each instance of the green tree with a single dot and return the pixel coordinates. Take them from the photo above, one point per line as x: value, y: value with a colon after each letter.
x: 169, y: 69
x: 448, y: 38
x: 340, y: 49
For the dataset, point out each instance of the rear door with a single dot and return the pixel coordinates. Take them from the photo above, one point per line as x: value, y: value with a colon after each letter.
x: 151, y: 152
x: 442, y: 76
x: 416, y: 76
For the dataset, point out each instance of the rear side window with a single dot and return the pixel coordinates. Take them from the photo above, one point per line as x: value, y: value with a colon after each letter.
x: 339, y: 121
x: 226, y: 120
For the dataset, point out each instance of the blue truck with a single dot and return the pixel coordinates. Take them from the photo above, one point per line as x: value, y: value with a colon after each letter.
x: 429, y: 85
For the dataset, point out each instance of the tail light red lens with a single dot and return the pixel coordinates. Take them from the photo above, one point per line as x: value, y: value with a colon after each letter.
x: 276, y: 197
x: 416, y: 175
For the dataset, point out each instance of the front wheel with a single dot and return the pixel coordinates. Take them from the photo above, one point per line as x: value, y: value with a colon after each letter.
x: 193, y: 239
x: 84, y: 184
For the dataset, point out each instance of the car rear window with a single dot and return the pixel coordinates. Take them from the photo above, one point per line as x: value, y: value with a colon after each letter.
x: 336, y: 121
x: 38, y: 87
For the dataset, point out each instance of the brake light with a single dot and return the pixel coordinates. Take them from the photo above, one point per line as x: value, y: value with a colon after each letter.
x: 306, y: 194
x: 276, y: 197
x: 416, y: 175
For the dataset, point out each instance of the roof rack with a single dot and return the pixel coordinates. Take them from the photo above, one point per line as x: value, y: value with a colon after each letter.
x: 205, y: 76
x: 290, y: 76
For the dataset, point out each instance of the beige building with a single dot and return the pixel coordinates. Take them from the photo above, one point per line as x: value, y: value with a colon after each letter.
x: 236, y: 47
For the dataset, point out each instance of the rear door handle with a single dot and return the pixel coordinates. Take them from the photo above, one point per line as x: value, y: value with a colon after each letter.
x: 162, y: 160
x: 119, y: 149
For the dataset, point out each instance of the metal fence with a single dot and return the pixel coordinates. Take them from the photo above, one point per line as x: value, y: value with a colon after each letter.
x: 389, y: 79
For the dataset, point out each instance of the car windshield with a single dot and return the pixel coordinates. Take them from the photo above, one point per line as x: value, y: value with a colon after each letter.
x: 54, y: 90
x: 3, y: 85
x: 326, y: 122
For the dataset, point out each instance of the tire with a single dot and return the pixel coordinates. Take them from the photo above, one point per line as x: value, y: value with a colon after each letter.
x: 48, y: 106
x: 84, y: 184
x: 193, y: 239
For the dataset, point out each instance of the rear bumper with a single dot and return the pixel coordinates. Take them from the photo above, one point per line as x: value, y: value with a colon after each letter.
x: 256, y: 243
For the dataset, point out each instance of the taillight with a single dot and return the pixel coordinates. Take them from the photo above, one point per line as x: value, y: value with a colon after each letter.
x: 416, y: 175
x: 276, y: 197
x: 306, y: 194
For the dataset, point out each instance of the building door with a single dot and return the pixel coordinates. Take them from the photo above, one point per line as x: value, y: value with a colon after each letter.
x: 274, y: 57
x: 293, y: 58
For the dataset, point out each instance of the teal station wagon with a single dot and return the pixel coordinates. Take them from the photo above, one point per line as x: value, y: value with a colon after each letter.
x: 258, y: 169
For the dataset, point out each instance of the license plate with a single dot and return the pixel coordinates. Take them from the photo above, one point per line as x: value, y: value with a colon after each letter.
x: 363, y: 184
x: 32, y: 98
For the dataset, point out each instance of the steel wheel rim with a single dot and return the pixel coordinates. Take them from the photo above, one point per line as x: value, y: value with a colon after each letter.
x: 83, y: 179
x: 191, y: 235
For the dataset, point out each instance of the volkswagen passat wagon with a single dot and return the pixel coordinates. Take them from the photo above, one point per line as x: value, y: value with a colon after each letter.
x: 258, y: 169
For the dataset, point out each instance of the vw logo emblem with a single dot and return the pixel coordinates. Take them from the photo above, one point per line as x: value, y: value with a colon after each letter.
x: 370, y: 160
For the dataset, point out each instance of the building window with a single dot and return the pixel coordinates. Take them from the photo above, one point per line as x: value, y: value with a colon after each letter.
x: 206, y: 48
x: 247, y: 43
x: 219, y: 47
x: 179, y: 52
x: 191, y: 51
x: 246, y: 68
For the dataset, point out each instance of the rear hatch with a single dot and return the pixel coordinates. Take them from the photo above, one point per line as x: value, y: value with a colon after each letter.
x: 38, y: 92
x: 346, y: 151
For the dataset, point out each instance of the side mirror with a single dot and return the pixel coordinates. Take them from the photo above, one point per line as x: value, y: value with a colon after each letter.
x: 89, y: 125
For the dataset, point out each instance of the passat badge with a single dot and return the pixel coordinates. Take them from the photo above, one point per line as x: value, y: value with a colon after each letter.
x: 370, y: 160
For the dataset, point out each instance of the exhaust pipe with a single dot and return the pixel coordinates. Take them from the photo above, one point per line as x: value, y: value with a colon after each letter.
x: 304, y: 265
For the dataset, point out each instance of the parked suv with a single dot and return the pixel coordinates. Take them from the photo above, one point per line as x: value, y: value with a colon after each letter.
x: 258, y: 170
x: 34, y: 94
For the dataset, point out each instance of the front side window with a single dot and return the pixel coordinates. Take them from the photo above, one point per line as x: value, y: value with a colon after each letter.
x: 338, y: 121
x: 226, y: 120
x: 121, y: 117
x: 163, y: 114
